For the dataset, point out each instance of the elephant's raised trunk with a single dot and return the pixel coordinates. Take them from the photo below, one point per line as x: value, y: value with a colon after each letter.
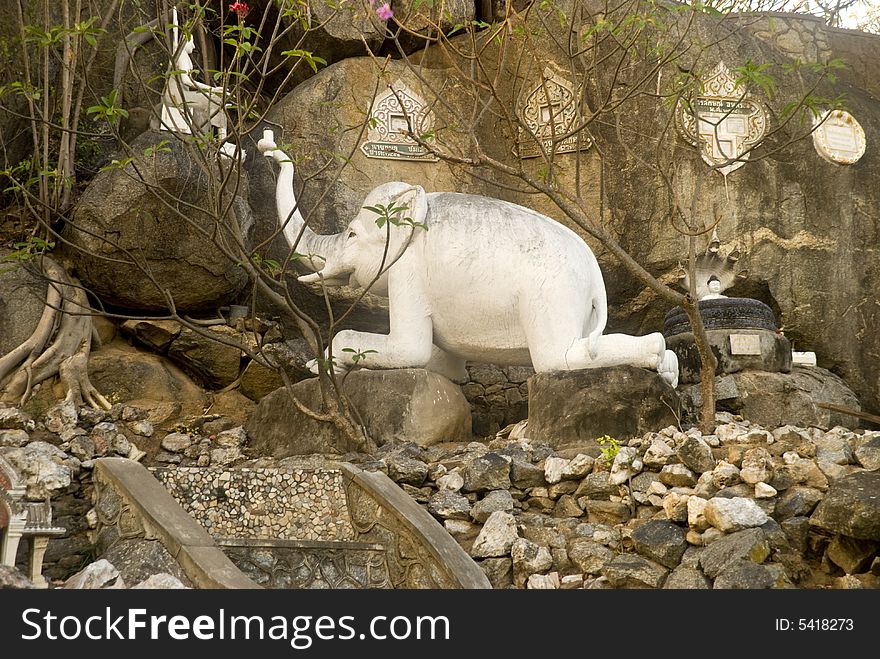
x: 316, y: 248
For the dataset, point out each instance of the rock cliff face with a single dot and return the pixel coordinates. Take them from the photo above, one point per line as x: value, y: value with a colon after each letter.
x: 807, y: 228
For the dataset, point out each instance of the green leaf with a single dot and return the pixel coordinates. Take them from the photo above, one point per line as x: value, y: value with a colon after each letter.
x: 309, y: 58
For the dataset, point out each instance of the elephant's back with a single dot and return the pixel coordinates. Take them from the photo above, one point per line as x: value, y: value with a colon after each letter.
x: 472, y: 221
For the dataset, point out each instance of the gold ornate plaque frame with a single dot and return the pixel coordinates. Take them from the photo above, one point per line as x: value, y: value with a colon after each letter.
x: 723, y: 122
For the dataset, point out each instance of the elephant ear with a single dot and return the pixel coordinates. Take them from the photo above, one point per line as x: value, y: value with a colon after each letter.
x: 415, y: 200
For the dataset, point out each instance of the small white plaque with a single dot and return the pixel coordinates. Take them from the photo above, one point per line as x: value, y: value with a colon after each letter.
x: 839, y: 138
x: 745, y: 344
x: 805, y: 358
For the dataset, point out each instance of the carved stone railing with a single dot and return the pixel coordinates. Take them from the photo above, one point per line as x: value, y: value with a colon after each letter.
x: 310, y: 564
x: 420, y: 553
x: 365, y: 532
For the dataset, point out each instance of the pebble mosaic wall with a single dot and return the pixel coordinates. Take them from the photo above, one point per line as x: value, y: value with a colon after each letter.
x: 289, y: 504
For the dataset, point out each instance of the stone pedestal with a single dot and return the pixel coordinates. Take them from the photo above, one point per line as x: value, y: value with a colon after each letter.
x: 735, y: 349
x: 723, y: 313
x: 401, y: 404
x: 742, y: 333
x: 11, y: 538
x: 573, y: 408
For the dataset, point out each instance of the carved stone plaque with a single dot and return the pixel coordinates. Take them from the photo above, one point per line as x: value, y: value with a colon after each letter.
x: 393, y: 112
x: 550, y: 112
x: 745, y: 344
x: 839, y: 138
x: 723, y: 121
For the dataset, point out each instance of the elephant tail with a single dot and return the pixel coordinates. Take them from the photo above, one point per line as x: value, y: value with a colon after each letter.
x: 599, y: 311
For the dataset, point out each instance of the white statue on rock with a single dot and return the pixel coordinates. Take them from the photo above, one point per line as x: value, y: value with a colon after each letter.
x: 188, y: 104
x: 467, y: 278
x: 713, y: 285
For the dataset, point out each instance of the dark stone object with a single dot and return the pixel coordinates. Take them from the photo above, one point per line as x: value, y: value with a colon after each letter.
x: 796, y: 501
x: 686, y: 578
x: 852, y: 555
x: 499, y: 571
x: 723, y: 313
x: 631, y: 571
x: 488, y: 472
x: 774, y: 353
x: 573, y: 408
x: 662, y: 542
x: 696, y: 455
x: 743, y: 574
x: 750, y: 544
x: 123, y: 212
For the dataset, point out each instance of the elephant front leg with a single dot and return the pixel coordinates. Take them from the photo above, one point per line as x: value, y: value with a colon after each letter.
x: 351, y: 348
x: 409, y: 344
x: 411, y: 349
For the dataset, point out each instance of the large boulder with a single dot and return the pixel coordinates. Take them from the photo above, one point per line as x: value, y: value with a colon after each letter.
x: 402, y: 404
x: 22, y: 297
x: 570, y: 408
x: 144, y: 230
x: 142, y: 379
x: 776, y: 399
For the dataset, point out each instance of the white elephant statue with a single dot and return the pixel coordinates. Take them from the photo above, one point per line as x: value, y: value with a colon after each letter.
x: 468, y: 278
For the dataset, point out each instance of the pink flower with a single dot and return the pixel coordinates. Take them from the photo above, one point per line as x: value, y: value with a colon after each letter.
x: 240, y: 8
x: 384, y: 12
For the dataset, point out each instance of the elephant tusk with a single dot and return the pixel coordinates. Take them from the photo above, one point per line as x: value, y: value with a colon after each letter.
x: 313, y: 278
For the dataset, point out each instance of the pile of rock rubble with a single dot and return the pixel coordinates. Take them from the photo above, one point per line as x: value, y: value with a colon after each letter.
x: 743, y: 507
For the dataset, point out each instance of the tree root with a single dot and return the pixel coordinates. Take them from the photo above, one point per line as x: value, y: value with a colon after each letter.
x: 66, y: 318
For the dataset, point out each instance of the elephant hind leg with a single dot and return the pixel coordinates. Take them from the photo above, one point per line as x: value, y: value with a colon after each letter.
x: 550, y: 339
x: 618, y: 350
x: 668, y: 368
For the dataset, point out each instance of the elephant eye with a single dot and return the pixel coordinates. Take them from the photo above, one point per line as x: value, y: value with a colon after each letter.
x: 351, y: 234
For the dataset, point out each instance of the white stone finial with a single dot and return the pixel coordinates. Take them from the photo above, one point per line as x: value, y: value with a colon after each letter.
x: 267, y: 144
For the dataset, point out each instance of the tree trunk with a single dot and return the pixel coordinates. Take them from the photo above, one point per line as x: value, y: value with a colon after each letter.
x: 67, y: 316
